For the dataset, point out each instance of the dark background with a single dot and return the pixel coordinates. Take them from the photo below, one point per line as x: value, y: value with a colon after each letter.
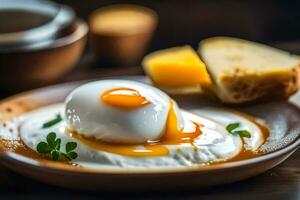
x: 187, y: 22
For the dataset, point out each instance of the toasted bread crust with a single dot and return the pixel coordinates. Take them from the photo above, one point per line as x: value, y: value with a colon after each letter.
x: 238, y: 85
x: 249, y: 88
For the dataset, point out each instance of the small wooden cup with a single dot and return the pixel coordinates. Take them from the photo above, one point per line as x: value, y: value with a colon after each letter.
x: 120, y: 34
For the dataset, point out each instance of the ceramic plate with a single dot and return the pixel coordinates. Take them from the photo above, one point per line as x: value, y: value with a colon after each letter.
x: 281, y: 117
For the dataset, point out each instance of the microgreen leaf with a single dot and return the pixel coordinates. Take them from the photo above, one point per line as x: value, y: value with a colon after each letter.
x: 52, y: 122
x: 43, y: 147
x: 51, y: 148
x: 70, y: 146
x: 51, y: 140
x: 73, y: 155
x: 243, y: 133
x: 65, y: 156
x: 70, y: 156
x: 231, y: 127
x: 57, y: 144
x: 55, y: 155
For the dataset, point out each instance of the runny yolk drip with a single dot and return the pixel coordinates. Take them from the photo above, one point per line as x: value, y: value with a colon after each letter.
x: 125, y: 150
x: 172, y: 135
x: 175, y: 135
x: 124, y: 98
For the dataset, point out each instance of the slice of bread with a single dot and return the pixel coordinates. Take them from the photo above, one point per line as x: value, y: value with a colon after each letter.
x: 244, y: 71
x: 177, y: 70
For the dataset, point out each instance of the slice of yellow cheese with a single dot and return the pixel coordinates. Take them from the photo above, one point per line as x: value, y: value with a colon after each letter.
x: 176, y: 67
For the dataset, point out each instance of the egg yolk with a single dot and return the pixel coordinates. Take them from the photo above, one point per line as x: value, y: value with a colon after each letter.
x: 124, y: 98
x: 175, y: 135
x: 172, y: 135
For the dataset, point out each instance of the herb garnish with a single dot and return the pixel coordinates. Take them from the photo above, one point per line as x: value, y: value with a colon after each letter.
x: 231, y: 128
x: 51, y: 148
x: 52, y: 122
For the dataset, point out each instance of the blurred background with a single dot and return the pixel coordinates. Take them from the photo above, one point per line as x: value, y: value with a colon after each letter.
x: 109, y: 50
x: 189, y: 21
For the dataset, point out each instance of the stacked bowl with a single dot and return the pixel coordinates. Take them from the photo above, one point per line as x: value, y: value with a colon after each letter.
x: 39, y: 42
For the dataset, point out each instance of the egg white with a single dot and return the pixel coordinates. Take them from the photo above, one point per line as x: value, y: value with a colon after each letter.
x: 224, y: 118
x: 212, y: 145
x: 87, y: 115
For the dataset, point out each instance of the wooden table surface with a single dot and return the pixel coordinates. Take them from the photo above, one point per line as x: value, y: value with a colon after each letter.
x: 281, y: 182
